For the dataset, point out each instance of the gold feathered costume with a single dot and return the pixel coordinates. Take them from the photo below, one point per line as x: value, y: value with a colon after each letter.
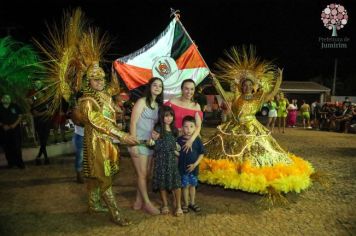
x: 242, y: 154
x: 74, y: 53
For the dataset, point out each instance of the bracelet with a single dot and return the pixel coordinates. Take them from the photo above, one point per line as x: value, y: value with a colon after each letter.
x: 119, y: 134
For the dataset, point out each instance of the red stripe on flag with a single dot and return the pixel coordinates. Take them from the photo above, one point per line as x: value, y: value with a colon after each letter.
x: 133, y: 76
x: 190, y: 59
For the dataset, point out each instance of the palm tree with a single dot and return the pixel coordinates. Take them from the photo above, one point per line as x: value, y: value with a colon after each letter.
x: 18, y: 67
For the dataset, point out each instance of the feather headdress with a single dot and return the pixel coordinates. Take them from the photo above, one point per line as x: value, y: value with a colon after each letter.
x: 243, y: 64
x: 72, y: 50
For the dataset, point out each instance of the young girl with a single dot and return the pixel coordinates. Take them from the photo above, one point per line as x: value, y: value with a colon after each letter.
x: 165, y: 171
x: 143, y: 118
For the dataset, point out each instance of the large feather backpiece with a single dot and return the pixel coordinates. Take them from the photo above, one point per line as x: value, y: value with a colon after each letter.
x: 63, y: 62
x: 70, y: 50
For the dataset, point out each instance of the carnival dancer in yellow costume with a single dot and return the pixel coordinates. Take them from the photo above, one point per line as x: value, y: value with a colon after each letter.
x: 242, y: 154
x: 73, y: 55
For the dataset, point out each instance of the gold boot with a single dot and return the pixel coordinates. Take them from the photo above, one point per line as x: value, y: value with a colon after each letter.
x: 116, y: 216
x: 95, y: 205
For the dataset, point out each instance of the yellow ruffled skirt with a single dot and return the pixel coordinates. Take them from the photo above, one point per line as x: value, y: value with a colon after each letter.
x: 248, y: 158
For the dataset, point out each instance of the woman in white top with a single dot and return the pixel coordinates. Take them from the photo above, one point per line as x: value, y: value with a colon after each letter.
x: 144, y: 116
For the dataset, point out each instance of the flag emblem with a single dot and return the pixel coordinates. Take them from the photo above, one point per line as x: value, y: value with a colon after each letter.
x: 172, y: 56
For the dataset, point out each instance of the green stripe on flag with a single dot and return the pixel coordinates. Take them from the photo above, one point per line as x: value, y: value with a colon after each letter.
x: 181, y: 42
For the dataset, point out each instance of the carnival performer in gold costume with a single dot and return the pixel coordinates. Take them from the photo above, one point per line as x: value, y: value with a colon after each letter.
x: 242, y: 154
x: 75, y: 54
x: 100, y: 154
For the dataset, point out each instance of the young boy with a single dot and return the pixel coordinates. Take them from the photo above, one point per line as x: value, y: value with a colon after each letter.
x: 188, y: 163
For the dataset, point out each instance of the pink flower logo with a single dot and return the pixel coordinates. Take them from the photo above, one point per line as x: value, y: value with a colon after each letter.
x: 334, y: 17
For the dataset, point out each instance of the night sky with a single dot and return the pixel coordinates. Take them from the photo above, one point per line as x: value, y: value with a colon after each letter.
x: 286, y: 31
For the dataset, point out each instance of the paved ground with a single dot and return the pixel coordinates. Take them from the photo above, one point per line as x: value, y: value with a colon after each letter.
x: 46, y: 200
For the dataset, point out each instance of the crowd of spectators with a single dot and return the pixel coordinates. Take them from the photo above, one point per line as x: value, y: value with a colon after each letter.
x: 329, y: 116
x: 339, y: 117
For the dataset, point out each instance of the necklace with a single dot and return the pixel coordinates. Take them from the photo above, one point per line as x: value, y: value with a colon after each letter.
x: 248, y: 96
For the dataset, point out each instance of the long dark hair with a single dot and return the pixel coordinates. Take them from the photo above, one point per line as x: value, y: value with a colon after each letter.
x: 148, y: 94
x: 160, y: 125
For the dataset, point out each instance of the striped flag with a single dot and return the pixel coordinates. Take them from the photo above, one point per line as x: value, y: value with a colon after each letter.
x: 172, y: 56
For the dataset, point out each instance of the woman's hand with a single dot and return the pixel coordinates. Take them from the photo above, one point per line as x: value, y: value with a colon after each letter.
x: 151, y: 142
x: 130, y: 140
x: 177, y: 16
x: 188, y: 145
x: 191, y: 167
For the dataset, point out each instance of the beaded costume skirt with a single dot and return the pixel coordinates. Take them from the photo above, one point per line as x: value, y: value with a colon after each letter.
x: 243, y: 155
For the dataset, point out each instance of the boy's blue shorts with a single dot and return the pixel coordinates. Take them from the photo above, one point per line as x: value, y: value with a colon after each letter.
x: 189, y: 179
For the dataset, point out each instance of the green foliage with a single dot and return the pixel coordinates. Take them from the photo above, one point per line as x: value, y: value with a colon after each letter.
x: 18, y: 68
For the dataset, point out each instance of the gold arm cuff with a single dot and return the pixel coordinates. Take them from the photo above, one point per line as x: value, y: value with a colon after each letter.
x: 118, y: 133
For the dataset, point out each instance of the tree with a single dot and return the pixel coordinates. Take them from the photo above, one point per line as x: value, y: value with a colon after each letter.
x: 19, y: 65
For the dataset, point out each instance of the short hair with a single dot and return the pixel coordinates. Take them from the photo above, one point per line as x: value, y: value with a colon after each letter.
x: 188, y: 119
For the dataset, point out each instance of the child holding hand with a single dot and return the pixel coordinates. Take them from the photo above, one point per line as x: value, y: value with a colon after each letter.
x: 165, y: 171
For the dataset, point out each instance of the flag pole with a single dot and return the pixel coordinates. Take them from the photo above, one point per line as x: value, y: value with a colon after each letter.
x: 216, y: 81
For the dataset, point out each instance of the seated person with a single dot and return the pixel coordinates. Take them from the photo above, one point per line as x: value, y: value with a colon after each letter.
x: 342, y: 120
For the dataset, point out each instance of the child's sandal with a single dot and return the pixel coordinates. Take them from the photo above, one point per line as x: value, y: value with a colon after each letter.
x: 179, y: 213
x: 194, y: 207
x: 185, y: 209
x: 164, y: 210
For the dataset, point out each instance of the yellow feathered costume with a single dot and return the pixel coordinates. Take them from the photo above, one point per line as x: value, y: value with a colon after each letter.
x: 242, y: 154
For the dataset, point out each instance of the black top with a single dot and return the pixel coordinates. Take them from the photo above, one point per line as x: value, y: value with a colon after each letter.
x: 9, y: 115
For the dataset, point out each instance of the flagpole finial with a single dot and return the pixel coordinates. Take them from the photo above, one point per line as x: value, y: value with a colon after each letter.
x: 175, y: 13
